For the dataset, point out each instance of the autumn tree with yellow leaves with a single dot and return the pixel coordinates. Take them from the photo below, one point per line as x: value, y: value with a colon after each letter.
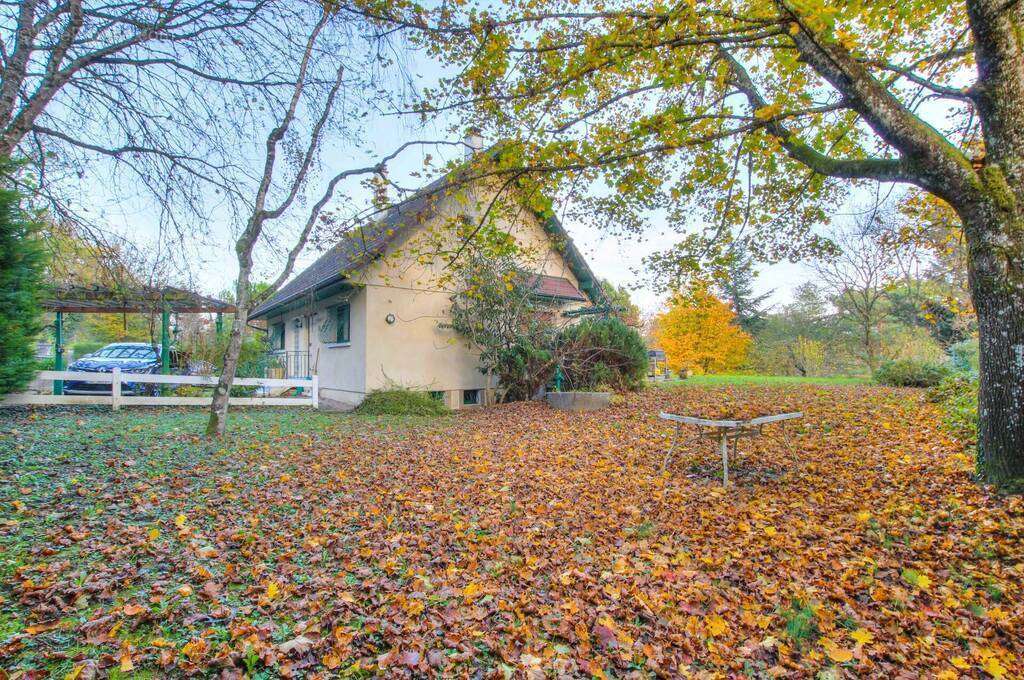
x: 754, y: 119
x: 698, y: 332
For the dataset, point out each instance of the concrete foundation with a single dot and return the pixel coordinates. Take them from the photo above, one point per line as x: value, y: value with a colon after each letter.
x: 579, y: 401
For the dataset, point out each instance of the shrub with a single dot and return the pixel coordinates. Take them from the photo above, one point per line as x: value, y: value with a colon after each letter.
x: 964, y: 356
x: 908, y: 373
x: 498, y: 312
x: 603, y: 351
x: 524, y: 367
x: 206, y: 350
x: 80, y: 349
x: 957, y: 395
x: 401, y: 402
x: 21, y: 267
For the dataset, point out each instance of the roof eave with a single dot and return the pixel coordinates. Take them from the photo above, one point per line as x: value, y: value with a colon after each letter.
x: 288, y: 303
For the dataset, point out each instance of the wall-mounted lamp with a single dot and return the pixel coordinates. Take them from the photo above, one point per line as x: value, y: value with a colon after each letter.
x: 297, y: 323
x: 390, y: 319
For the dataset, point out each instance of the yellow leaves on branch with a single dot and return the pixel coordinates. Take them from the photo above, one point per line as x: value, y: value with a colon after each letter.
x: 698, y: 333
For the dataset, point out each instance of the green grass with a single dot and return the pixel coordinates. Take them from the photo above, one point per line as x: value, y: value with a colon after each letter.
x: 767, y: 380
x: 85, y: 467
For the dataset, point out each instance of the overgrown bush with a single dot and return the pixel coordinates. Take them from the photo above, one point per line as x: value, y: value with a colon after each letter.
x: 908, y: 373
x: 400, y: 402
x: 602, y: 352
x: 525, y: 366
x: 206, y: 350
x: 957, y: 395
x: 499, y: 313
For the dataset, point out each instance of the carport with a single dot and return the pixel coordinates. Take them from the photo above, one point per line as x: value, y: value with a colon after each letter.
x: 165, y: 300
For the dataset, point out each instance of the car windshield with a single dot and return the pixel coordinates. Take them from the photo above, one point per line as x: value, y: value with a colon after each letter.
x: 120, y: 352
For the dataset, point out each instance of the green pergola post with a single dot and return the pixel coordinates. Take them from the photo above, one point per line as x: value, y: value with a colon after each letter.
x: 165, y: 344
x: 165, y: 340
x: 220, y: 324
x: 558, y: 378
x: 58, y: 351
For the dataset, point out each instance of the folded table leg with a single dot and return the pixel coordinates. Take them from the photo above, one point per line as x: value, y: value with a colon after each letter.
x: 672, y: 448
x: 723, y: 444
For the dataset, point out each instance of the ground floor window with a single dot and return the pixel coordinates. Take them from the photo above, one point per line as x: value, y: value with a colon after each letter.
x: 470, y: 397
x: 437, y: 395
x: 277, y: 336
x: 343, y: 320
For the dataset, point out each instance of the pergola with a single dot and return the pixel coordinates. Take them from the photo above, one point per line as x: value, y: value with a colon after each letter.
x: 164, y: 300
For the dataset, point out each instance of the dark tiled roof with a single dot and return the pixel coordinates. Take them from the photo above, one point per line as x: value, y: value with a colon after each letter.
x: 555, y: 287
x: 360, y: 246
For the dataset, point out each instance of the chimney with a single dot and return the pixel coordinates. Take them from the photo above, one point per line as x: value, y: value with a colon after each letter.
x: 473, y: 142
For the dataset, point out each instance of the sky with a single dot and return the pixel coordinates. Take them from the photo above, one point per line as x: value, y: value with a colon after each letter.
x: 210, y: 266
x: 213, y: 268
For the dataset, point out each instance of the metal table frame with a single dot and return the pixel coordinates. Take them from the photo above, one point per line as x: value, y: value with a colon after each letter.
x: 724, y: 431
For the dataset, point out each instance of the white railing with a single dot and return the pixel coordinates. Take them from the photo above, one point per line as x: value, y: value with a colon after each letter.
x: 310, y: 389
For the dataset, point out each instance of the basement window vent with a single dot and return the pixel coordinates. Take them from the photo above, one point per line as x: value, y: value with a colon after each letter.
x: 470, y: 397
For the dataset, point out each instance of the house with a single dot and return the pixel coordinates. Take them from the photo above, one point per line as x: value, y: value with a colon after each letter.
x: 370, y: 312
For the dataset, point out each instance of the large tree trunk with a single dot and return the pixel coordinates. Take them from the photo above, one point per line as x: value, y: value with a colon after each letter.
x: 994, y: 227
x: 997, y: 287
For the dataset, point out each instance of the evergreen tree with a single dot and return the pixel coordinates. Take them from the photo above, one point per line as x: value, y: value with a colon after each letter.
x: 21, y: 272
x: 738, y: 290
x: 619, y: 298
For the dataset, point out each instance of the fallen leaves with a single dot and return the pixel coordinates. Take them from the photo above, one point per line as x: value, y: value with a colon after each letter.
x: 836, y: 653
x: 862, y: 637
x: 296, y: 646
x: 471, y: 592
x: 715, y: 625
x: 519, y: 540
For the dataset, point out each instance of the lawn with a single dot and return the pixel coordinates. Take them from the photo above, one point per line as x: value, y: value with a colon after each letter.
x: 507, y: 539
x: 769, y: 380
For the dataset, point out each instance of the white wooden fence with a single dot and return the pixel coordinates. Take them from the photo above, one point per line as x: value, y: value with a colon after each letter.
x: 310, y: 389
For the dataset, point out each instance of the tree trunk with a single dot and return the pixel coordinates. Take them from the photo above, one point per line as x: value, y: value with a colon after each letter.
x: 871, y: 357
x: 219, y: 406
x: 996, y: 274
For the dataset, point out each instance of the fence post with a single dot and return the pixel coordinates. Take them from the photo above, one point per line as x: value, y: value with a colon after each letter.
x: 115, y: 390
x: 316, y: 391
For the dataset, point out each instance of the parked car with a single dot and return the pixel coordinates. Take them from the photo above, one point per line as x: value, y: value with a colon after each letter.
x: 130, y: 357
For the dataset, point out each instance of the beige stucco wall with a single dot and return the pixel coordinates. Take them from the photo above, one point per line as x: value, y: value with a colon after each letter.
x: 414, y: 351
x: 341, y: 368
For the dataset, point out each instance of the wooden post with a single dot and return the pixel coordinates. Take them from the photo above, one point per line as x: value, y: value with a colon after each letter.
x: 115, y: 390
x: 723, y: 444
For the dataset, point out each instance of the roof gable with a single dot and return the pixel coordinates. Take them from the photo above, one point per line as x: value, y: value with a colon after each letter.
x: 359, y: 247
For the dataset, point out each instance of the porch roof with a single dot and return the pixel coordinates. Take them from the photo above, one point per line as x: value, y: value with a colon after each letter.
x: 140, y: 299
